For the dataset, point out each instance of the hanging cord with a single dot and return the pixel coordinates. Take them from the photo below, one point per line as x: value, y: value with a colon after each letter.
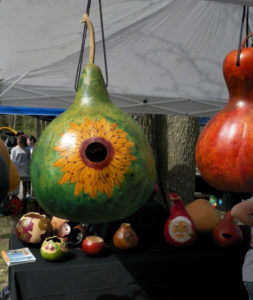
x: 103, y: 39
x: 245, y: 15
x: 240, y: 38
x: 247, y: 25
x: 79, y: 66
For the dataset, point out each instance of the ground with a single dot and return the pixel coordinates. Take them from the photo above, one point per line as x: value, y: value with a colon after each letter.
x: 6, y: 225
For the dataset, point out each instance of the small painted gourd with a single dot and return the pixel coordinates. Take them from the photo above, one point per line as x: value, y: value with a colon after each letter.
x: 54, y: 248
x: 33, y: 227
x: 179, y: 228
x: 227, y: 233
x: 93, y: 163
x: 224, y: 151
x: 125, y: 237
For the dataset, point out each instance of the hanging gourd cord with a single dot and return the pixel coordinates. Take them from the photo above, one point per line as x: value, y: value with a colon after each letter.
x: 103, y: 39
x: 245, y: 15
x: 86, y: 19
x: 80, y: 62
x: 79, y: 66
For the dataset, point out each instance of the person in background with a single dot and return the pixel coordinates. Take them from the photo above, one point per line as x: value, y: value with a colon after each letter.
x: 20, y: 155
x: 243, y: 212
x: 31, y: 140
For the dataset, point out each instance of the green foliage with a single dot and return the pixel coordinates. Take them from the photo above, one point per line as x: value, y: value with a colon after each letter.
x: 22, y: 123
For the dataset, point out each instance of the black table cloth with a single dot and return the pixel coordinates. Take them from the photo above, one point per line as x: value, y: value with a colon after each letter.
x: 154, y: 270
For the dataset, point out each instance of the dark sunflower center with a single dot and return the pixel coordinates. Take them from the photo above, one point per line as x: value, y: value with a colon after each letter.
x: 96, y: 152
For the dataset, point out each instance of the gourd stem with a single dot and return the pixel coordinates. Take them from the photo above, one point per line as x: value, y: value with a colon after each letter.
x: 245, y: 39
x: 91, y: 34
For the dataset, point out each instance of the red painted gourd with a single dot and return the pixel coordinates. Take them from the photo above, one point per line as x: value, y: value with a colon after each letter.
x: 92, y: 164
x: 224, y: 151
x: 179, y: 228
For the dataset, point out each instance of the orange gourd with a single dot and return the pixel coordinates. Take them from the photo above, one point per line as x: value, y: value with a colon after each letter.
x: 224, y: 151
x: 13, y: 176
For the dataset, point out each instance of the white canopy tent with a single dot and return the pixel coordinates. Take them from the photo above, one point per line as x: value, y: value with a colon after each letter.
x: 163, y: 56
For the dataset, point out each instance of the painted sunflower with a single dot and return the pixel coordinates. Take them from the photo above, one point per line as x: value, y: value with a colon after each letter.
x: 94, y: 156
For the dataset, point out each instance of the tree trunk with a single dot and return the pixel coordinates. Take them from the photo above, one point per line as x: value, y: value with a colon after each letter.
x: 173, y: 139
x: 36, y: 127
x: 177, y: 137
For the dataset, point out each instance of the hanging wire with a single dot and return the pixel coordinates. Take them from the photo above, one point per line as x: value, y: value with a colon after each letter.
x: 247, y: 25
x: 80, y: 62
x: 79, y: 66
x: 103, y: 40
x: 240, y: 38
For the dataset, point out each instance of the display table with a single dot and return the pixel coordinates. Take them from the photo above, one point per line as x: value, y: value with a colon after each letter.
x: 154, y: 270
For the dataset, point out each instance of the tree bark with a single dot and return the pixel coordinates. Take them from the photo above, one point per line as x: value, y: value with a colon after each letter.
x: 178, y: 135
x: 173, y: 140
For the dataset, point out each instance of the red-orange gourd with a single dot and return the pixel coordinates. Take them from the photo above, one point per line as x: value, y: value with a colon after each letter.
x: 224, y: 151
x: 227, y: 233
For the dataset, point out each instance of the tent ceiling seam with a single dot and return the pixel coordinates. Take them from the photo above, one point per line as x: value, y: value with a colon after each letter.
x: 13, y: 84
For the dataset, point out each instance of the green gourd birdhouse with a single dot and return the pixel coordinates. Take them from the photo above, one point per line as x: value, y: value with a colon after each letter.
x: 92, y: 163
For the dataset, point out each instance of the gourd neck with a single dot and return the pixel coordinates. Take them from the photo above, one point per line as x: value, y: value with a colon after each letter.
x: 91, y: 89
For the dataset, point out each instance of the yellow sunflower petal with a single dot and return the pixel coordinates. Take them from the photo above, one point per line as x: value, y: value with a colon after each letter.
x: 110, y: 181
x: 74, y: 177
x: 59, y: 148
x: 74, y: 157
x: 96, y: 124
x: 113, y: 126
x: 93, y: 192
x: 106, y: 127
x: 68, y: 167
x: 118, y: 180
x: 88, y: 123
x: 78, y: 188
x: 60, y: 162
x: 111, y: 171
x: 86, y: 187
x: 77, y: 166
x: 121, y: 141
x: 100, y: 186
x: 102, y: 122
x: 75, y: 132
x: 122, y: 150
x: 108, y: 135
x: 125, y: 162
x: 101, y: 132
x: 108, y: 190
x: 130, y: 157
x: 67, y: 153
x: 82, y: 174
x: 75, y: 126
x: 116, y: 163
x: 113, y: 139
x: 119, y: 156
x: 129, y: 144
x: 65, y: 177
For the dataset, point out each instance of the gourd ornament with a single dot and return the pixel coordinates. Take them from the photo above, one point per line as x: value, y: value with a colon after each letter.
x: 92, y: 164
x: 227, y: 233
x: 224, y: 151
x: 179, y: 228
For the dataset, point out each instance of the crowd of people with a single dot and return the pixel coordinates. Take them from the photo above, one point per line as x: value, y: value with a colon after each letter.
x: 21, y: 156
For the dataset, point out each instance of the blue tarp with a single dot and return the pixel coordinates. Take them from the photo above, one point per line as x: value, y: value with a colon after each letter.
x: 50, y: 113
x: 34, y: 111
